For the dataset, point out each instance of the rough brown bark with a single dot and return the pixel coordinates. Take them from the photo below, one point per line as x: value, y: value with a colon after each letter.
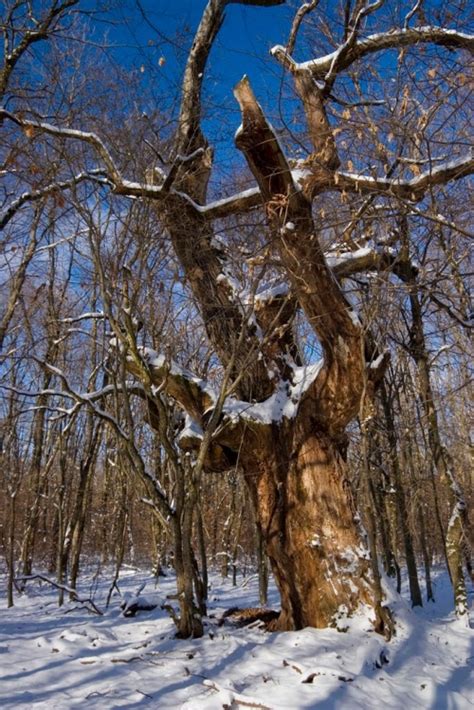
x: 309, y: 523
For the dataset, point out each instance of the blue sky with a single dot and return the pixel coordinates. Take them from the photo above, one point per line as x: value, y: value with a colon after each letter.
x: 242, y: 47
x: 243, y: 42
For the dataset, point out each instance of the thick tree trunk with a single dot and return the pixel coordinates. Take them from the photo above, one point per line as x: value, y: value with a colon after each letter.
x: 306, y: 513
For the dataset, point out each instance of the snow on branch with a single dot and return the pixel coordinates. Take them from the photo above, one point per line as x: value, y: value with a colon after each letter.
x: 51, y: 189
x: 289, y: 216
x: 40, y: 30
x: 39, y: 126
x: 121, y: 186
x: 347, y: 263
x: 95, y: 315
x: 111, y: 176
x: 345, y: 49
x: 87, y: 399
x: 192, y: 393
x: 235, y: 204
x: 346, y: 55
x: 412, y: 189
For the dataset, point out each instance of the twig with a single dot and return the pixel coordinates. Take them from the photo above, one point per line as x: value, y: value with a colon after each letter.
x: 145, y: 694
x: 237, y: 698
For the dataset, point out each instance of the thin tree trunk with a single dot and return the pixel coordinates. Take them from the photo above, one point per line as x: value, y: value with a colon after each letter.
x: 38, y: 481
x: 457, y: 545
x: 377, y: 489
x: 367, y: 495
x: 64, y: 530
x: 202, y: 551
x: 11, y: 550
x: 262, y: 565
x: 409, y: 462
x: 426, y: 557
x: 235, y: 548
x: 81, y: 510
x: 410, y: 558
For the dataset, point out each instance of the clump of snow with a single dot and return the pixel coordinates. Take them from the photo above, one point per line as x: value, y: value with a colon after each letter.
x: 336, y: 258
x: 300, y: 174
x: 354, y: 318
x: 375, y: 364
x: 191, y: 430
x: 158, y: 361
x: 288, y: 227
x: 133, y: 602
x: 267, y: 293
x: 283, y: 403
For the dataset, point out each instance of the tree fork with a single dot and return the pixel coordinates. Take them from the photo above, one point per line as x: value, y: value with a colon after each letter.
x: 296, y: 470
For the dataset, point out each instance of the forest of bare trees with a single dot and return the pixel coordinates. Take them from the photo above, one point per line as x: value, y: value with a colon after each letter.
x: 235, y: 327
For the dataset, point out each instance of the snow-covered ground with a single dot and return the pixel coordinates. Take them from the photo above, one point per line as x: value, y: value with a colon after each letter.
x: 63, y: 658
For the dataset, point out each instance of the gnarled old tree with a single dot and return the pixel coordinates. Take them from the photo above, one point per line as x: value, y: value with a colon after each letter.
x: 282, y: 422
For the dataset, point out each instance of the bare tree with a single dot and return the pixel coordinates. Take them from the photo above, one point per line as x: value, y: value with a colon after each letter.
x: 282, y: 422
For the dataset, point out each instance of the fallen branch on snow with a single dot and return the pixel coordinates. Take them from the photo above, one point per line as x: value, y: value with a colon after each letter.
x: 72, y: 592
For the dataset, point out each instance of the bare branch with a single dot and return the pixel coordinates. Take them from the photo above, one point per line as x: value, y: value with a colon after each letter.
x: 345, y: 49
x: 43, y: 28
x: 410, y: 14
x: 189, y: 136
x: 305, y: 9
x: 322, y: 137
x: 256, y: 3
